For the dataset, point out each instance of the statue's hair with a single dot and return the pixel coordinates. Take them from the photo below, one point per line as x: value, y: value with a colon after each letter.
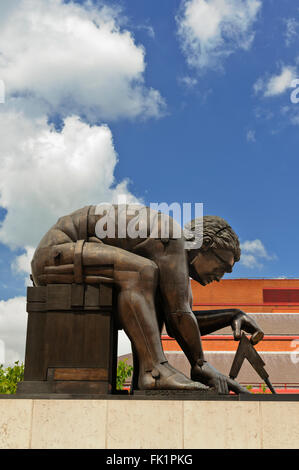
x: 218, y: 230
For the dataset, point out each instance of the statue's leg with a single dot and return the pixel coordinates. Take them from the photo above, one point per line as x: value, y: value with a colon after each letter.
x: 160, y: 318
x: 136, y: 279
x: 134, y: 381
x: 48, y: 260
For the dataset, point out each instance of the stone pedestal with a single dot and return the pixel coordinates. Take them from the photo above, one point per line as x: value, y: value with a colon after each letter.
x: 71, y: 344
x: 127, y: 423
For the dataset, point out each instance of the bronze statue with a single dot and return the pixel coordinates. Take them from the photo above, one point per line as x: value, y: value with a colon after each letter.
x: 151, y: 274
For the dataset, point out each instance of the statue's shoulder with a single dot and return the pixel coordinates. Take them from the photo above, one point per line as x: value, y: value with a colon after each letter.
x: 82, y: 212
x: 71, y: 223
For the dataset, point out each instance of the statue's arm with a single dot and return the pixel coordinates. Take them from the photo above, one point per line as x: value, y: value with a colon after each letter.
x: 212, y: 320
x: 180, y: 321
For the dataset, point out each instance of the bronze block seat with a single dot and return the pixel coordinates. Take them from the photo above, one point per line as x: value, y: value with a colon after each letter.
x: 71, y: 344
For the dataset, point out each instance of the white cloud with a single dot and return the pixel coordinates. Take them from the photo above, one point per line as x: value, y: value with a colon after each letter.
x: 188, y: 82
x: 280, y: 83
x: 254, y: 246
x: 67, y: 58
x: 22, y: 262
x: 148, y: 29
x: 13, y: 321
x: 259, y: 85
x: 21, y: 265
x: 46, y: 174
x: 276, y: 84
x: 295, y: 119
x: 292, y: 30
x: 250, y: 261
x: 252, y: 252
x: 250, y: 136
x: 2, y: 92
x: 124, y: 344
x: 70, y: 60
x: 211, y: 30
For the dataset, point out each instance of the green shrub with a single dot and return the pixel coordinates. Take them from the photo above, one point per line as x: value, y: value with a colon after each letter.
x: 10, y: 377
x: 124, y: 371
x: 264, y: 388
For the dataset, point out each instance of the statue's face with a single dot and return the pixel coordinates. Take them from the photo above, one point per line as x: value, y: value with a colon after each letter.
x: 211, y: 265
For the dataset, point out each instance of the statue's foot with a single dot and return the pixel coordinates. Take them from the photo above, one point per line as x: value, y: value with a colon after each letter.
x: 166, y: 377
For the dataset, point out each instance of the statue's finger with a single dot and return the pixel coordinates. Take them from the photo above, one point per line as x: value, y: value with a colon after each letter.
x: 256, y: 337
x: 222, y: 387
x: 237, y: 329
x: 225, y: 386
x: 236, y: 387
x: 251, y: 325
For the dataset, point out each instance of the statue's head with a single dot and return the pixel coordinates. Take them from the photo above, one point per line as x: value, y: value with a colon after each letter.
x: 219, y: 251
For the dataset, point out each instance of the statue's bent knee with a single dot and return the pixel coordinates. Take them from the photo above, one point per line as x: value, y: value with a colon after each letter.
x: 149, y: 273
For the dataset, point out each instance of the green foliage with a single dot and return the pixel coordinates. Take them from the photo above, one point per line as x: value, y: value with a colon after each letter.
x: 124, y: 371
x: 264, y: 388
x: 10, y: 377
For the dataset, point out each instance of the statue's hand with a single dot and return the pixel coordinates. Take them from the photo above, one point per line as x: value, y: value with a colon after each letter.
x: 243, y: 322
x: 208, y: 375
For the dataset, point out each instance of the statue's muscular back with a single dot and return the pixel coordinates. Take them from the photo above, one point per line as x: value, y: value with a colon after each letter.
x: 81, y: 224
x: 58, y: 245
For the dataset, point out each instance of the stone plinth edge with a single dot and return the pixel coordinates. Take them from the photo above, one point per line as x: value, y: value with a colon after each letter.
x: 130, y: 423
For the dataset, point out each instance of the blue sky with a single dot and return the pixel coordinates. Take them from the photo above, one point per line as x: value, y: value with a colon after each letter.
x: 172, y: 101
x: 200, y: 151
